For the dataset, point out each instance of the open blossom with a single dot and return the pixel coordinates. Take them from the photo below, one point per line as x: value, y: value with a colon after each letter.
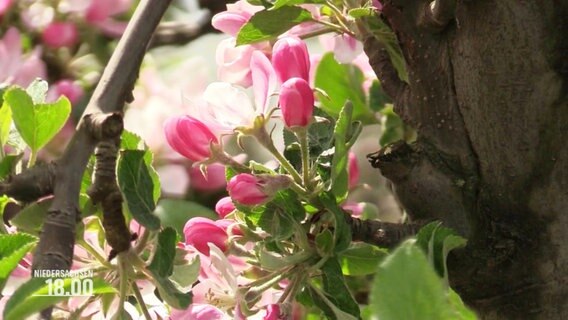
x: 235, y: 17
x: 234, y: 62
x: 290, y: 59
x: 189, y: 137
x: 224, y: 206
x: 346, y: 48
x: 100, y: 12
x: 225, y: 107
x: 15, y: 67
x: 296, y: 102
x: 60, y: 34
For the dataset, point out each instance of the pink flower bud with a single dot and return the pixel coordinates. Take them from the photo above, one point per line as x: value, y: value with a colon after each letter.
x: 377, y: 4
x: 290, y: 59
x: 189, y: 137
x: 224, y: 206
x: 353, y: 170
x: 296, y: 102
x: 247, y: 189
x: 60, y: 34
x: 200, y: 231
x: 273, y: 312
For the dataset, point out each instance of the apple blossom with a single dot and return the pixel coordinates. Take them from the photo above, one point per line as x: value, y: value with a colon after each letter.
x: 60, y: 34
x: 71, y: 89
x: 224, y: 206
x: 15, y: 68
x: 346, y: 48
x: 189, y: 137
x: 247, y: 189
x: 225, y: 107
x: 234, y: 62
x: 199, y: 311
x: 290, y: 59
x: 235, y: 17
x: 296, y: 102
x: 99, y: 14
x: 200, y: 231
x: 353, y: 170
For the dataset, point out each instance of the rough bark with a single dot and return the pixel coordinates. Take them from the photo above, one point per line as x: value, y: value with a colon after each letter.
x: 487, y: 93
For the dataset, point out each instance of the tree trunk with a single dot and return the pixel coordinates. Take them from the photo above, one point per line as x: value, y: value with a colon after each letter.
x: 487, y: 94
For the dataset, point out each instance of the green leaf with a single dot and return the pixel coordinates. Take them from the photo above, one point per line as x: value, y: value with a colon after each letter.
x: 37, y: 90
x: 279, y: 216
x: 339, y: 175
x: 393, y: 127
x: 13, y: 247
x: 36, y: 123
x: 406, y: 287
x: 171, y: 292
x: 269, y: 24
x: 335, y: 288
x: 282, y: 3
x: 8, y: 163
x: 32, y: 296
x: 342, y: 82
x: 137, y: 187
x: 30, y: 218
x: 5, y: 123
x: 437, y: 241
x: 322, y: 301
x: 163, y: 261
x: 324, y: 243
x: 361, y: 259
x: 361, y: 12
x: 342, y: 233
x: 377, y: 97
x: 384, y: 34
x: 184, y: 276
x: 176, y: 212
x: 461, y: 311
x: 131, y: 141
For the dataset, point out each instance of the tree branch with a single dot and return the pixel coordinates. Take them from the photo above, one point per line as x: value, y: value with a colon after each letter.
x: 437, y: 14
x: 32, y: 184
x: 382, y: 234
x: 55, y: 248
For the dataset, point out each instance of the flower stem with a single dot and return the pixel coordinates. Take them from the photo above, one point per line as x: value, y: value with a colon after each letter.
x: 32, y: 160
x: 302, y: 135
x: 123, y: 286
x: 264, y: 139
x: 140, y: 300
x: 95, y: 253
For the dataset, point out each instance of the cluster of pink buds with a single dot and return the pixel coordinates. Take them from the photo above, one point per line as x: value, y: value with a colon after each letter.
x: 291, y: 62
